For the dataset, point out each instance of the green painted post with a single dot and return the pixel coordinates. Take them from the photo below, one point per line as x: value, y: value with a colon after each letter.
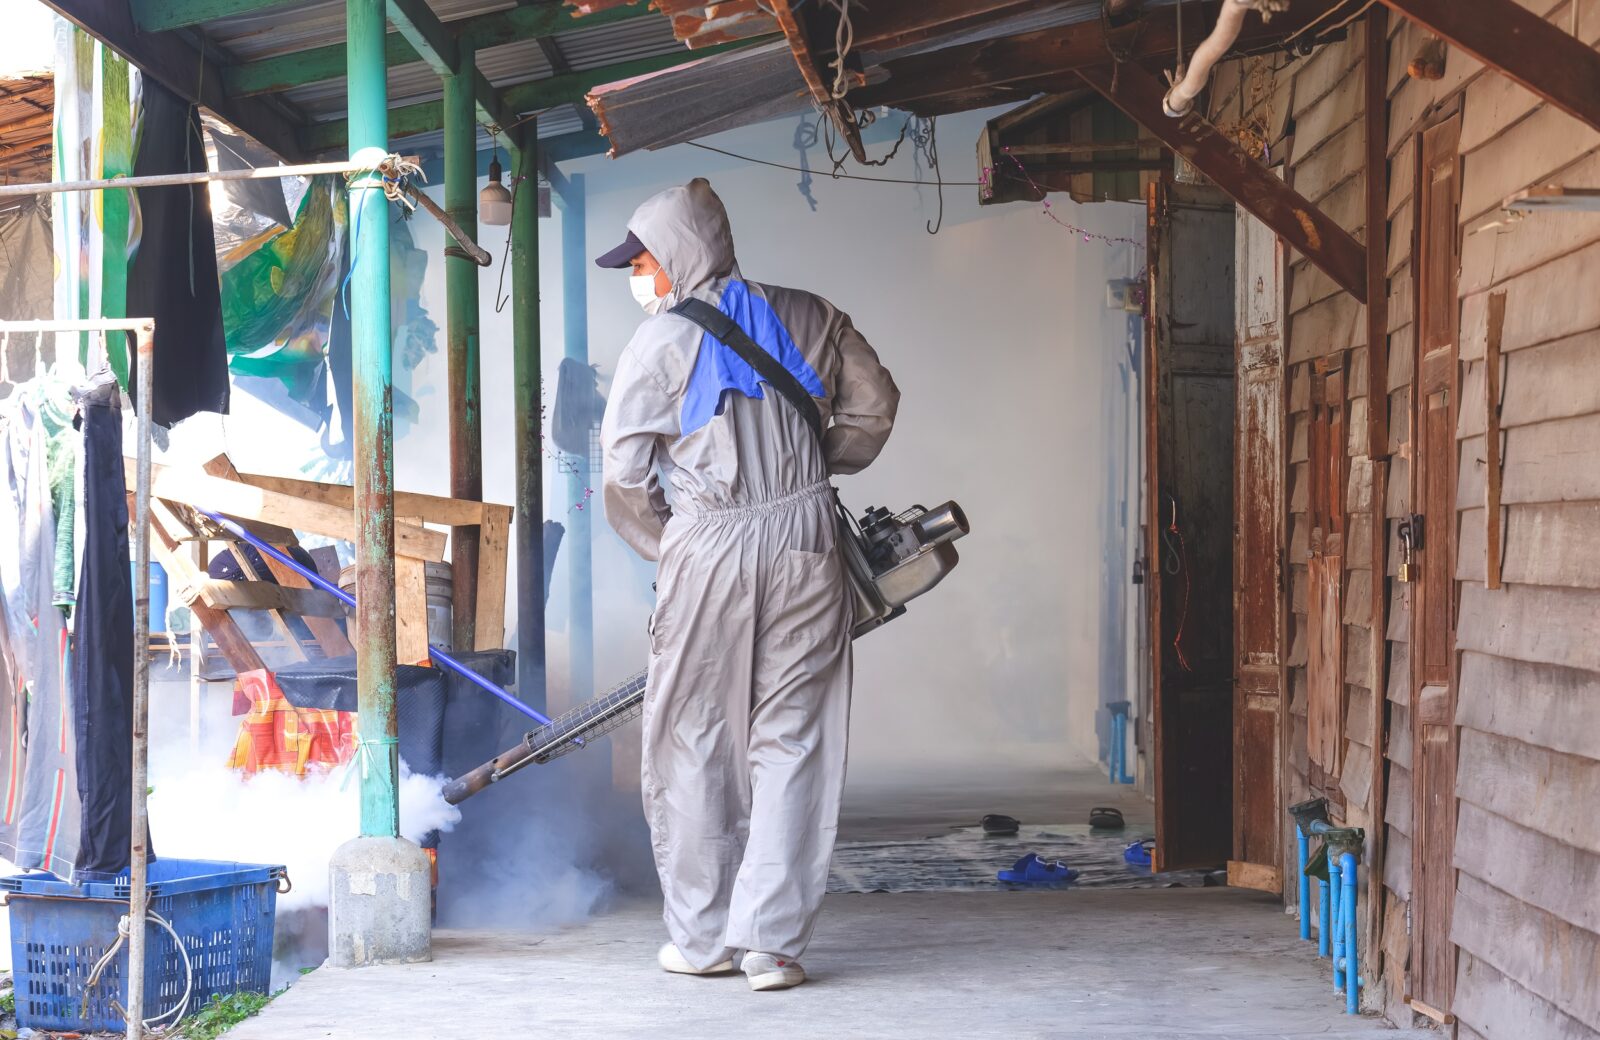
x: 528, y: 425
x: 461, y: 299
x: 578, y: 547
x: 374, y: 423
x: 116, y: 206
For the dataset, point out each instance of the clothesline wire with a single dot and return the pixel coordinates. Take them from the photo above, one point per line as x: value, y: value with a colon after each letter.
x: 836, y: 176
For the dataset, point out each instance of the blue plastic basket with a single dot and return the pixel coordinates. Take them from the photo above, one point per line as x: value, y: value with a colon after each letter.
x: 224, y: 912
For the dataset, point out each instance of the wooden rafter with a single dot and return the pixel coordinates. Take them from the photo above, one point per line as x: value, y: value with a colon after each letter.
x: 1508, y: 37
x: 1284, y: 210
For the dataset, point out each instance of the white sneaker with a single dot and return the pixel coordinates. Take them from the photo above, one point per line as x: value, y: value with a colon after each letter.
x: 768, y: 972
x: 670, y: 959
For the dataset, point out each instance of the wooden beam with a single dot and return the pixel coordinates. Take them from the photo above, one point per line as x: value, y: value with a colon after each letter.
x: 1044, y: 60
x: 415, y: 20
x: 513, y: 101
x: 494, y: 542
x: 1530, y: 51
x: 1491, y: 440
x: 202, y: 491
x: 263, y: 595
x: 168, y: 532
x: 451, y: 512
x: 1296, y: 220
x: 1375, y: 71
x: 169, y: 59
x: 491, y: 30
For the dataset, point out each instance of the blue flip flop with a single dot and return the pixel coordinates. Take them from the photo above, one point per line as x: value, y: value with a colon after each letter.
x: 1139, y: 853
x: 1031, y: 870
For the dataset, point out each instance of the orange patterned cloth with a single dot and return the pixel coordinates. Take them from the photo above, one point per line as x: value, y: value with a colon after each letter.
x: 277, y: 735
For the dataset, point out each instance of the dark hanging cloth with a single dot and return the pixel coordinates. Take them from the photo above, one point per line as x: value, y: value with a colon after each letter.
x: 102, y: 652
x: 173, y: 275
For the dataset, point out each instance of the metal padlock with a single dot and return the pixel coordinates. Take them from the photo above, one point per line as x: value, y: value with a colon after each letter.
x: 1408, y: 530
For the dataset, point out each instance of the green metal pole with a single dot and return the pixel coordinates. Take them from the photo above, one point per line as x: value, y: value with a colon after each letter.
x: 461, y: 299
x: 374, y: 423
x: 578, y: 546
x: 528, y: 424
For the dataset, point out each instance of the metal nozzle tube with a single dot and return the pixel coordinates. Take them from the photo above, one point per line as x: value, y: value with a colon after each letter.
x: 942, y: 524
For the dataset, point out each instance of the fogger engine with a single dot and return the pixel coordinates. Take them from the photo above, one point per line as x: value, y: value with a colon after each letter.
x: 890, y: 559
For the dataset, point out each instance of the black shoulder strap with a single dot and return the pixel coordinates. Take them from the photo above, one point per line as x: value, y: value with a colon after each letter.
x: 766, y: 366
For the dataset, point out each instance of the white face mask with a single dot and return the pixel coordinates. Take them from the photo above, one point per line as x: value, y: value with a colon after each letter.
x: 643, y: 287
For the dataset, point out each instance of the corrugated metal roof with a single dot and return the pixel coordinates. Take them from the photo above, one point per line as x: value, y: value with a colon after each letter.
x: 283, y: 30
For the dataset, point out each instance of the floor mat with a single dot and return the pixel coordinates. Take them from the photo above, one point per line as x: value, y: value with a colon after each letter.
x: 967, y: 859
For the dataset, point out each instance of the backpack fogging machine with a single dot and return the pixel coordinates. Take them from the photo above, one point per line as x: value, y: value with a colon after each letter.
x: 889, y: 559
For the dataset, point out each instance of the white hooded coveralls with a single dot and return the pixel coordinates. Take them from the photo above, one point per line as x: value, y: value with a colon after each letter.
x: 746, y: 714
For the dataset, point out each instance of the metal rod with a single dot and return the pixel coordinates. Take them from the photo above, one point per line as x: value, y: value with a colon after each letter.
x: 474, y: 251
x: 87, y: 325
x: 1324, y: 920
x: 439, y: 657
x: 461, y: 323
x: 166, y: 180
x: 1336, y: 917
x: 527, y: 447
x: 138, y: 852
x: 368, y: 108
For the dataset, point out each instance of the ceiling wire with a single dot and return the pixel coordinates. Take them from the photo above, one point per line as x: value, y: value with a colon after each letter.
x: 836, y: 176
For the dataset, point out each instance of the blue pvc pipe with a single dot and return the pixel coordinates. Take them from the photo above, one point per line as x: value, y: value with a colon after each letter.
x: 1322, y: 918
x: 1303, y: 850
x: 439, y: 656
x: 1347, y: 903
x: 1118, y: 770
x: 1336, y: 914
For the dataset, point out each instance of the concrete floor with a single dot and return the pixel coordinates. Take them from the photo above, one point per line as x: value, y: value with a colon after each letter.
x: 1155, y: 964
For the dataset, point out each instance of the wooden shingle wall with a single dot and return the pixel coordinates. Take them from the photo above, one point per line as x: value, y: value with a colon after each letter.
x: 1527, y: 847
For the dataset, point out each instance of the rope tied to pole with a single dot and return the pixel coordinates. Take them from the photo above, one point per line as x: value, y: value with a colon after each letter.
x: 365, y: 758
x: 124, y: 930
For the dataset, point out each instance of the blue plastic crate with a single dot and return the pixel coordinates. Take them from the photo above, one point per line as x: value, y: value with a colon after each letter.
x: 224, y: 912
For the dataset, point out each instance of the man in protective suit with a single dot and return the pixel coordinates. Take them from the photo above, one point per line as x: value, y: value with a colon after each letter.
x: 720, y: 478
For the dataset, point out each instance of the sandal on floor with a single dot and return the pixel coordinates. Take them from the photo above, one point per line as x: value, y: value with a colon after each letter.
x: 1031, y: 870
x: 1106, y: 819
x: 999, y: 823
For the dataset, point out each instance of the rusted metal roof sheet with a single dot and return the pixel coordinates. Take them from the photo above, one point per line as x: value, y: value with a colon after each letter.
x: 26, y: 107
x: 700, y: 24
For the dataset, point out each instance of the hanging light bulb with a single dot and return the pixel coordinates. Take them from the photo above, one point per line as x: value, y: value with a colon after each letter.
x: 494, y: 201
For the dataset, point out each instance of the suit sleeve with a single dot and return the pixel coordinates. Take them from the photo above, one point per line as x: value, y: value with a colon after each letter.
x: 639, y: 413
x: 865, y: 400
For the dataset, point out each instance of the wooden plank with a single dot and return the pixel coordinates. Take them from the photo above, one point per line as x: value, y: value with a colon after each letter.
x: 1330, y: 167
x: 1258, y: 190
x: 1374, y: 182
x: 1525, y: 155
x: 1491, y: 462
x: 1545, y: 625
x: 1400, y: 739
x: 1355, y: 777
x: 1540, y: 306
x: 1520, y: 44
x: 1542, y: 953
x: 1550, y: 462
x: 1497, y: 1006
x: 167, y: 531
x: 1544, y: 544
x: 433, y: 509
x: 1538, y: 385
x: 234, y: 499
x: 1328, y: 115
x: 1542, y: 705
x: 1528, y: 865
x: 410, y: 610
x: 1259, y: 876
x: 1397, y: 865
x: 1325, y: 328
x: 1397, y: 810
x: 1496, y: 102
x: 264, y: 595
x: 1535, y: 786
x: 1399, y: 673
x: 1325, y: 70
x: 494, y: 541
x: 1493, y: 255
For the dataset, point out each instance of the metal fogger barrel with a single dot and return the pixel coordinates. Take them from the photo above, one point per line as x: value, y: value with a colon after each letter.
x: 890, y: 559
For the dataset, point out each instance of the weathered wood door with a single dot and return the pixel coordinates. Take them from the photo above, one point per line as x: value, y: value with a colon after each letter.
x: 1329, y: 473
x: 1433, y: 961
x: 1190, y: 412
x: 1258, y: 560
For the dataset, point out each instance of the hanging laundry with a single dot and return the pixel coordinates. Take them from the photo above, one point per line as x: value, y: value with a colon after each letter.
x: 102, y: 672
x: 39, y: 825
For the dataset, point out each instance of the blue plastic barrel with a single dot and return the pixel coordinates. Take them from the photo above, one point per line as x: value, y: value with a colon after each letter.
x: 158, y: 593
